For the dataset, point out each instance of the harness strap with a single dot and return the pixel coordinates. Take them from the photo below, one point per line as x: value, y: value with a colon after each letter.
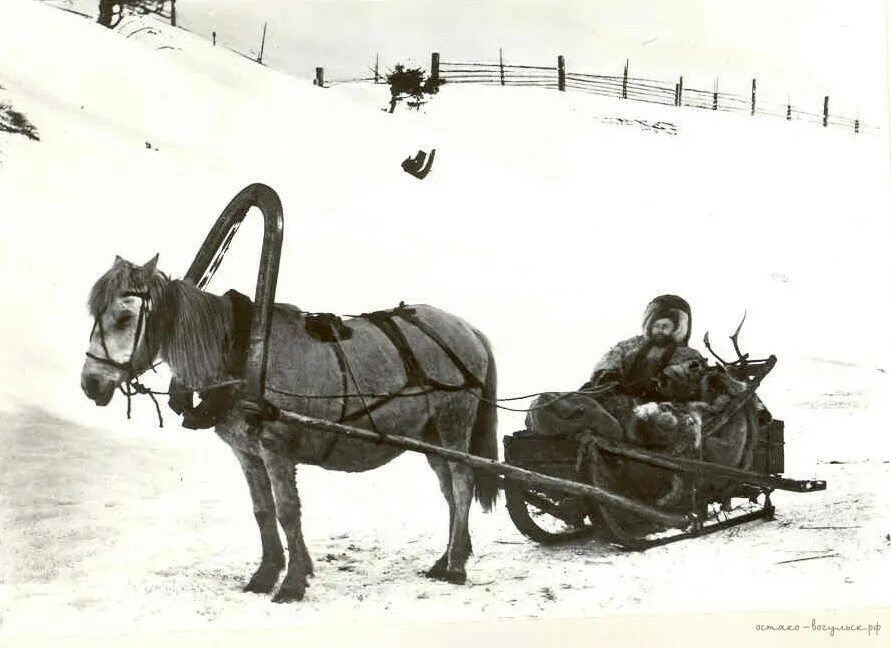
x: 470, y: 380
x: 414, y: 374
x: 366, y: 409
x: 342, y: 364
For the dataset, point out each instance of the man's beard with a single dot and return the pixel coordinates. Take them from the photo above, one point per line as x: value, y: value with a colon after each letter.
x: 660, y: 339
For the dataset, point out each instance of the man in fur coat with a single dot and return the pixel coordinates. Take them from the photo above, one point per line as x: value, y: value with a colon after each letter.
x: 625, y: 377
x: 633, y: 365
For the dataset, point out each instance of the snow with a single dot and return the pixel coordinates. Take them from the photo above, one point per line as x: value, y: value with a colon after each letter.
x: 545, y: 222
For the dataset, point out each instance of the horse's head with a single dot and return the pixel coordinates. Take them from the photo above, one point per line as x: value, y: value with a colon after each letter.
x: 121, y: 342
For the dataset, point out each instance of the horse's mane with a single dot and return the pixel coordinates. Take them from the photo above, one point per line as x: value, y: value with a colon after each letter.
x: 199, y: 334
x: 190, y: 328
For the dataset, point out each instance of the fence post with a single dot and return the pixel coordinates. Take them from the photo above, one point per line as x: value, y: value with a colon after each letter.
x: 262, y: 44
x: 826, y: 111
x: 434, y: 69
x: 857, y: 125
x: 213, y: 36
x: 753, y: 96
x: 501, y: 63
x: 715, y: 97
x: 625, y: 81
x: 789, y: 110
x: 680, y: 90
x: 676, y: 94
x: 173, y: 13
x: 320, y: 77
x: 561, y: 73
x: 377, y: 60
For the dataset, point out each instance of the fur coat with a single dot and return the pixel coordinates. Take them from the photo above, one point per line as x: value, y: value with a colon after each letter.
x: 631, y: 362
x: 635, y: 362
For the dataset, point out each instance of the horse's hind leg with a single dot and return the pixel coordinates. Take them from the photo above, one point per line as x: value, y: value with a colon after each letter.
x: 287, y: 507
x: 443, y: 473
x: 454, y: 419
x: 460, y: 547
x: 273, y: 560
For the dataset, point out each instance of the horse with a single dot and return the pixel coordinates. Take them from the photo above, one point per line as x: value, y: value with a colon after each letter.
x: 141, y: 316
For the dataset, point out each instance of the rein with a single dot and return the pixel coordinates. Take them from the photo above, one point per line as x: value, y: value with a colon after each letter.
x: 594, y: 391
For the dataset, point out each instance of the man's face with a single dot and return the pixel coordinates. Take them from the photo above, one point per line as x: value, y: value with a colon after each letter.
x: 661, y: 330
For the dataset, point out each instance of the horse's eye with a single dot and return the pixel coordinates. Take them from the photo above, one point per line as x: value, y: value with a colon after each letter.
x: 123, y: 319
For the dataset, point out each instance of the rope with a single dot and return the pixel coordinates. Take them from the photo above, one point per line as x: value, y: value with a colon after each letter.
x: 136, y: 388
x: 495, y: 403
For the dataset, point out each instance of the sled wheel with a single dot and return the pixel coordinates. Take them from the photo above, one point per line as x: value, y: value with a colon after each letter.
x: 547, y: 518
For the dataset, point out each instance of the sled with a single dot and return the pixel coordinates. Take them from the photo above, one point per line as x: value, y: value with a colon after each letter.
x: 548, y: 499
x: 550, y: 516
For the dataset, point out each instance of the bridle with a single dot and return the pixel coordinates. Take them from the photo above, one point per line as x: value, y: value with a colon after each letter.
x: 131, y: 374
x: 127, y: 367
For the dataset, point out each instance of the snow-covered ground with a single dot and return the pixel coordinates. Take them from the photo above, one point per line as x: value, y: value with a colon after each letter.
x: 549, y: 220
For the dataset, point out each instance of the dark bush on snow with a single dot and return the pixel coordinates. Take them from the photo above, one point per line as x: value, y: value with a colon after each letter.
x: 12, y: 121
x: 409, y: 84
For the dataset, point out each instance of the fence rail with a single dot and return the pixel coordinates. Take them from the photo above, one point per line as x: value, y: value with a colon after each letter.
x: 624, y: 86
x: 670, y: 93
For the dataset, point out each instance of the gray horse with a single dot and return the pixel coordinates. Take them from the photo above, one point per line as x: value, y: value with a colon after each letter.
x: 141, y: 316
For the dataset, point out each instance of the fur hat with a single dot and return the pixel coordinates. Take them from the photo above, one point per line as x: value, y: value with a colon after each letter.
x: 674, y: 308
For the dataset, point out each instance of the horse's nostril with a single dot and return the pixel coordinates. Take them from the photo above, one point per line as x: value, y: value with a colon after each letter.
x: 91, y: 385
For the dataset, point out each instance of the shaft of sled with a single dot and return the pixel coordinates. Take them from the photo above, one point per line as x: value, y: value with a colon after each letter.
x: 509, y: 472
x: 713, y: 470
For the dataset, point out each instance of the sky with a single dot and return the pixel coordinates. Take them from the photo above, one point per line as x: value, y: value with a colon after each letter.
x: 798, y: 49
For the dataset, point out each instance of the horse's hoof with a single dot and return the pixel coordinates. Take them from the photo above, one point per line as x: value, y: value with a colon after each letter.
x: 263, y: 580
x: 289, y: 594
x: 258, y: 587
x: 437, y: 572
x: 456, y: 577
x: 261, y: 583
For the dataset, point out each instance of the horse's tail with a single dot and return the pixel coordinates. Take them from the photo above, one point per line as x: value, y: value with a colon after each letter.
x: 484, y: 438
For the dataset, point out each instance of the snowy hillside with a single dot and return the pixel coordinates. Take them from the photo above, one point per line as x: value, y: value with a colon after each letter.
x: 548, y: 220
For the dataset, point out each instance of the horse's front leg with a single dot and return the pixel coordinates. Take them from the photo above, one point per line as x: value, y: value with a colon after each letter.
x: 280, y: 469
x: 273, y: 560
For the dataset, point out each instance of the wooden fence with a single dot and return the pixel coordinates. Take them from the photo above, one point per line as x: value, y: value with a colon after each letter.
x: 668, y: 93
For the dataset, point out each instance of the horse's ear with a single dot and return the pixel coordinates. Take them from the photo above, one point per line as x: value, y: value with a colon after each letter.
x: 118, y: 259
x: 152, y: 265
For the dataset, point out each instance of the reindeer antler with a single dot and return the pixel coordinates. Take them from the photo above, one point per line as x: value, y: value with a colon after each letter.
x: 712, y: 351
x: 742, y: 358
